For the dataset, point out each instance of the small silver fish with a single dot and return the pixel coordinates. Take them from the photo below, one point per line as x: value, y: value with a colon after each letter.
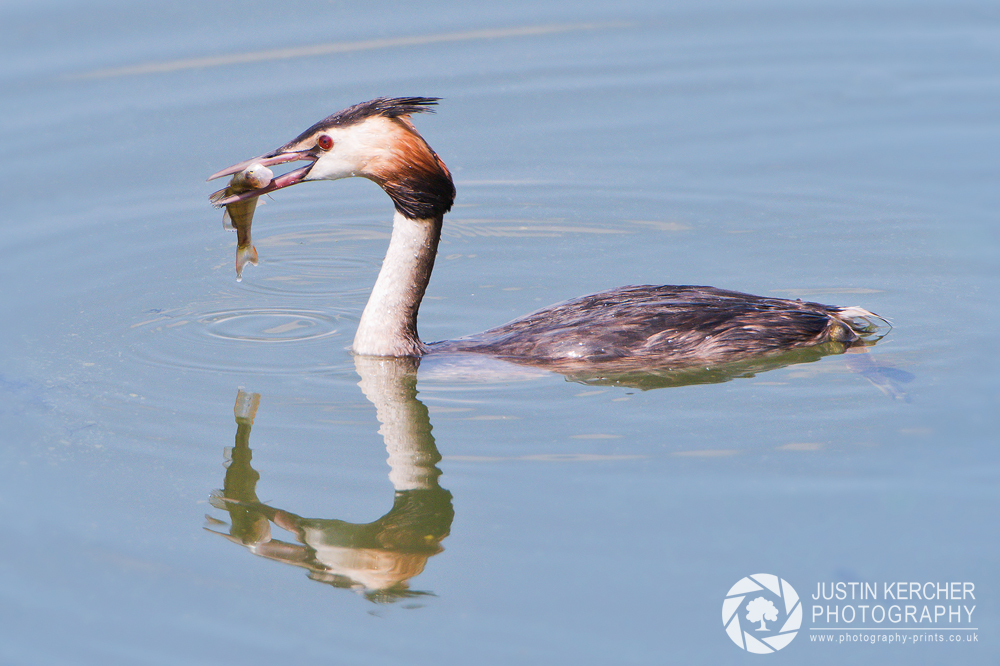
x: 239, y: 215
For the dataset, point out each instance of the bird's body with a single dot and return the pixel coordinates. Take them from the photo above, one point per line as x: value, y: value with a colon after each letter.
x: 628, y: 327
x: 677, y: 326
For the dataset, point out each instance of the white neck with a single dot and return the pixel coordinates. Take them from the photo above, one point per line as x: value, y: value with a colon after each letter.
x: 388, y: 325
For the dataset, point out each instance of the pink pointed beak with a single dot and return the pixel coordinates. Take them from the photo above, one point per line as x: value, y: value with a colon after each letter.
x: 279, y: 182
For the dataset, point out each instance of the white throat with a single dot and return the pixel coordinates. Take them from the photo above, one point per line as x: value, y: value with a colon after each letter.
x: 388, y: 326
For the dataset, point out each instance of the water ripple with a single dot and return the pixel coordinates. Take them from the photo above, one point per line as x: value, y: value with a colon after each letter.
x: 275, y: 340
x: 269, y: 325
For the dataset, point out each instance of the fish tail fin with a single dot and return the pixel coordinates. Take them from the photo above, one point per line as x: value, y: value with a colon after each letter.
x: 244, y: 255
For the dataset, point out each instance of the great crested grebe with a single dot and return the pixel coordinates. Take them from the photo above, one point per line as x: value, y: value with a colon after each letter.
x: 635, y: 326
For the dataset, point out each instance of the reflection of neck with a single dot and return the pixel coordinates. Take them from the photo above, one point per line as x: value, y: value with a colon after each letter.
x: 391, y: 385
x: 388, y: 325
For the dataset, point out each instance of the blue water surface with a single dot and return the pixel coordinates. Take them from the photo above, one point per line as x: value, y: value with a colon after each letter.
x: 830, y: 151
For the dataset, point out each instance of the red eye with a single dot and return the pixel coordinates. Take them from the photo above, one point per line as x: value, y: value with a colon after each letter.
x: 324, y: 142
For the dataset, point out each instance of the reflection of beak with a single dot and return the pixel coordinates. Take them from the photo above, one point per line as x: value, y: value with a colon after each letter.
x: 280, y: 182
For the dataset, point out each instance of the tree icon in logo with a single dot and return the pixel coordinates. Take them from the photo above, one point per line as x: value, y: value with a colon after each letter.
x: 761, y: 609
x: 771, y: 599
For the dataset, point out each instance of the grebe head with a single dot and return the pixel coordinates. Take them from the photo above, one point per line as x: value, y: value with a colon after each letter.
x: 374, y: 140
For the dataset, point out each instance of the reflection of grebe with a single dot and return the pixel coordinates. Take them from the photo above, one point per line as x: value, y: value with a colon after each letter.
x: 377, y: 558
x: 631, y: 326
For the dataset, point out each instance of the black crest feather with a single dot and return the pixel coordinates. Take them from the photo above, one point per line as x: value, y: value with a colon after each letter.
x: 388, y: 107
